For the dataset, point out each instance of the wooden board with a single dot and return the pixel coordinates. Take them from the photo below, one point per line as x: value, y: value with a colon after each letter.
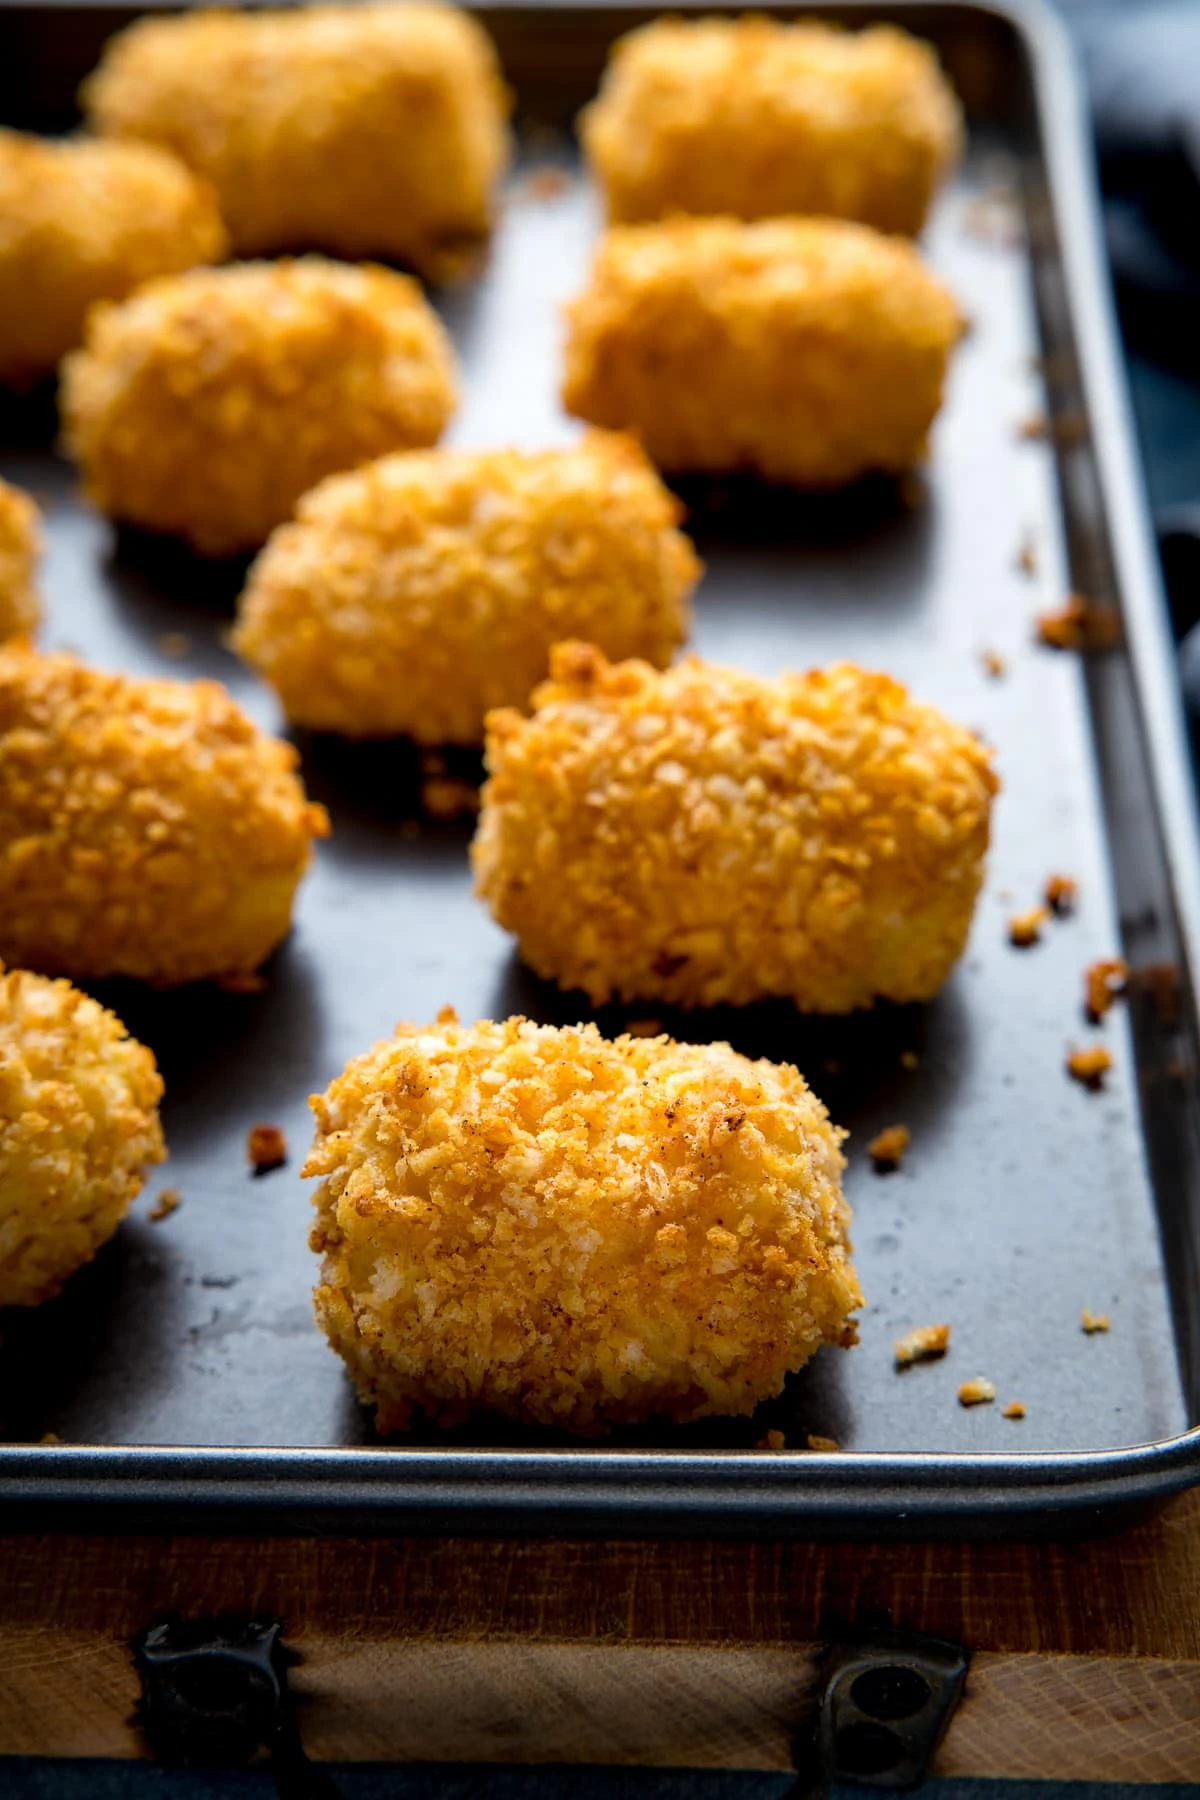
x: 1086, y: 1656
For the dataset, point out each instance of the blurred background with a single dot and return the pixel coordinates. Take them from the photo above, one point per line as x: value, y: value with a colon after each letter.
x: 1142, y: 63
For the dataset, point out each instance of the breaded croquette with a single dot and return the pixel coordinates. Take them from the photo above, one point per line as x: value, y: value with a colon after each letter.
x: 809, y: 351
x: 359, y: 130
x: 573, y: 1231
x: 20, y: 543
x: 78, y: 1129
x: 208, y: 403
x: 705, y: 835
x: 147, y: 828
x: 81, y: 222
x: 415, y: 594
x: 759, y: 119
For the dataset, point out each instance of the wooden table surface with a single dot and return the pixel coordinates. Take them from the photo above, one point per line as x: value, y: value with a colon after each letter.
x: 1085, y: 1656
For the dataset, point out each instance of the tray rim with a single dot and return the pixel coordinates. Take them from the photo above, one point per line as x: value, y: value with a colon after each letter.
x: 566, y: 1491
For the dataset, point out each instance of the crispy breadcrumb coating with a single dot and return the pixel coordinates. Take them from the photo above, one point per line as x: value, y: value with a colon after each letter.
x: 760, y: 119
x: 209, y: 402
x: 977, y: 1392
x: 78, y: 1129
x: 573, y: 1231
x: 147, y: 828
x: 81, y: 222
x: 20, y: 545
x: 810, y: 351
x: 360, y: 130
x: 705, y: 835
x: 414, y: 595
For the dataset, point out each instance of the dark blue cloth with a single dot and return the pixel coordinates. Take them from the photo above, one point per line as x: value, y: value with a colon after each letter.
x: 29, y: 1779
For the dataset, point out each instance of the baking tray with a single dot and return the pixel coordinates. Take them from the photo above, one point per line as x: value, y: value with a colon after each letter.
x: 183, y: 1372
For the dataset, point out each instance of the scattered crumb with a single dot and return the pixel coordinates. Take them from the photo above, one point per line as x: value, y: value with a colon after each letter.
x: 909, y: 1059
x: 923, y: 1344
x: 993, y: 663
x: 976, y: 1393
x: 773, y: 1440
x: 1014, y: 1410
x: 50, y: 1437
x: 432, y: 762
x: 1027, y: 554
x: 266, y: 1148
x: 547, y: 183
x: 1025, y: 928
x: 887, y: 1148
x: 1104, y: 982
x: 1067, y: 431
x: 1061, y: 893
x: 1093, y: 1322
x: 1078, y: 625
x: 246, y: 981
x: 644, y: 1028
x: 815, y: 1442
x: 1089, y: 1067
x: 445, y: 797
x: 994, y: 217
x: 175, y: 644
x: 167, y: 1203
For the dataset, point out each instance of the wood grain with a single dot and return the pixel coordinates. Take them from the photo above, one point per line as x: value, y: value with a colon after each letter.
x: 1086, y: 1655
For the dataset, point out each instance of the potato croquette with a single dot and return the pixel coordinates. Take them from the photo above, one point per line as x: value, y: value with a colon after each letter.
x: 760, y: 119
x: 146, y: 827
x: 419, y: 592
x: 810, y: 351
x: 575, y: 1232
x: 207, y: 403
x: 78, y: 1129
x: 360, y: 130
x: 81, y: 222
x: 705, y: 835
x: 20, y: 543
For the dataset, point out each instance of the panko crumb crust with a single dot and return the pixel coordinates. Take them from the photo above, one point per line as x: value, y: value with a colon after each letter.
x: 207, y: 403
x: 706, y: 835
x: 808, y: 351
x: 20, y: 546
x: 147, y: 828
x: 78, y: 1129
x: 82, y: 221
x: 761, y: 119
x: 419, y: 592
x: 358, y: 130
x: 573, y: 1231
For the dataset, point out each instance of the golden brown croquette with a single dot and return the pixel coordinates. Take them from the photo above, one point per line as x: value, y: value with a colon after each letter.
x: 209, y: 402
x: 80, y: 222
x: 415, y: 594
x: 20, y: 546
x: 78, y: 1129
x: 573, y: 1231
x: 147, y: 828
x: 359, y: 130
x: 759, y: 119
x: 705, y: 835
x: 808, y: 351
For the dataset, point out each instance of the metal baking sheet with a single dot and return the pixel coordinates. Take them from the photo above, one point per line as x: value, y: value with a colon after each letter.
x: 183, y: 1372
